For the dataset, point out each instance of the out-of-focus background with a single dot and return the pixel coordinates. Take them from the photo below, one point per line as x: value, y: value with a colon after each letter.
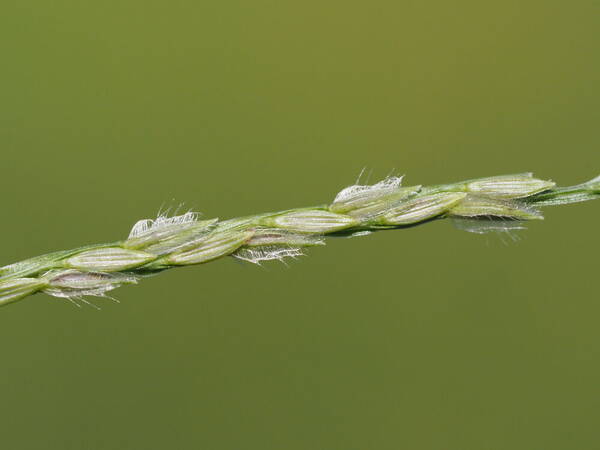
x: 429, y: 338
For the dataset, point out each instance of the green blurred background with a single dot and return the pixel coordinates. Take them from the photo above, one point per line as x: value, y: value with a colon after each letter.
x: 428, y: 338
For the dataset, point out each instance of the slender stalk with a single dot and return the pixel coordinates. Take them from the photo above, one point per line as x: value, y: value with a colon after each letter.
x: 498, y: 204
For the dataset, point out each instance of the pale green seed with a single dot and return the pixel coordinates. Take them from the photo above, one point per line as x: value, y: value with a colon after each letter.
x: 474, y: 206
x: 169, y: 232
x: 368, y: 200
x: 77, y: 280
x: 267, y: 237
x: 509, y: 186
x: 212, y: 247
x: 422, y: 208
x: 18, y: 288
x: 111, y: 259
x: 315, y: 221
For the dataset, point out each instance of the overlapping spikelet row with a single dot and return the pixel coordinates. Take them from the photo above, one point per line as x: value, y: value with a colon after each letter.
x: 167, y: 242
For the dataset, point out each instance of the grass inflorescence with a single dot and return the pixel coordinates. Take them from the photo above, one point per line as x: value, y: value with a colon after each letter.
x: 482, y: 205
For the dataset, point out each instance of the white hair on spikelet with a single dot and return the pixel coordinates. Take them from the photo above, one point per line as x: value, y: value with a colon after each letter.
x: 259, y: 254
x: 363, y: 193
x: 147, y: 226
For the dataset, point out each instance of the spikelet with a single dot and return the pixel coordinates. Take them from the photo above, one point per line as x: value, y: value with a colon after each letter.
x: 75, y: 284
